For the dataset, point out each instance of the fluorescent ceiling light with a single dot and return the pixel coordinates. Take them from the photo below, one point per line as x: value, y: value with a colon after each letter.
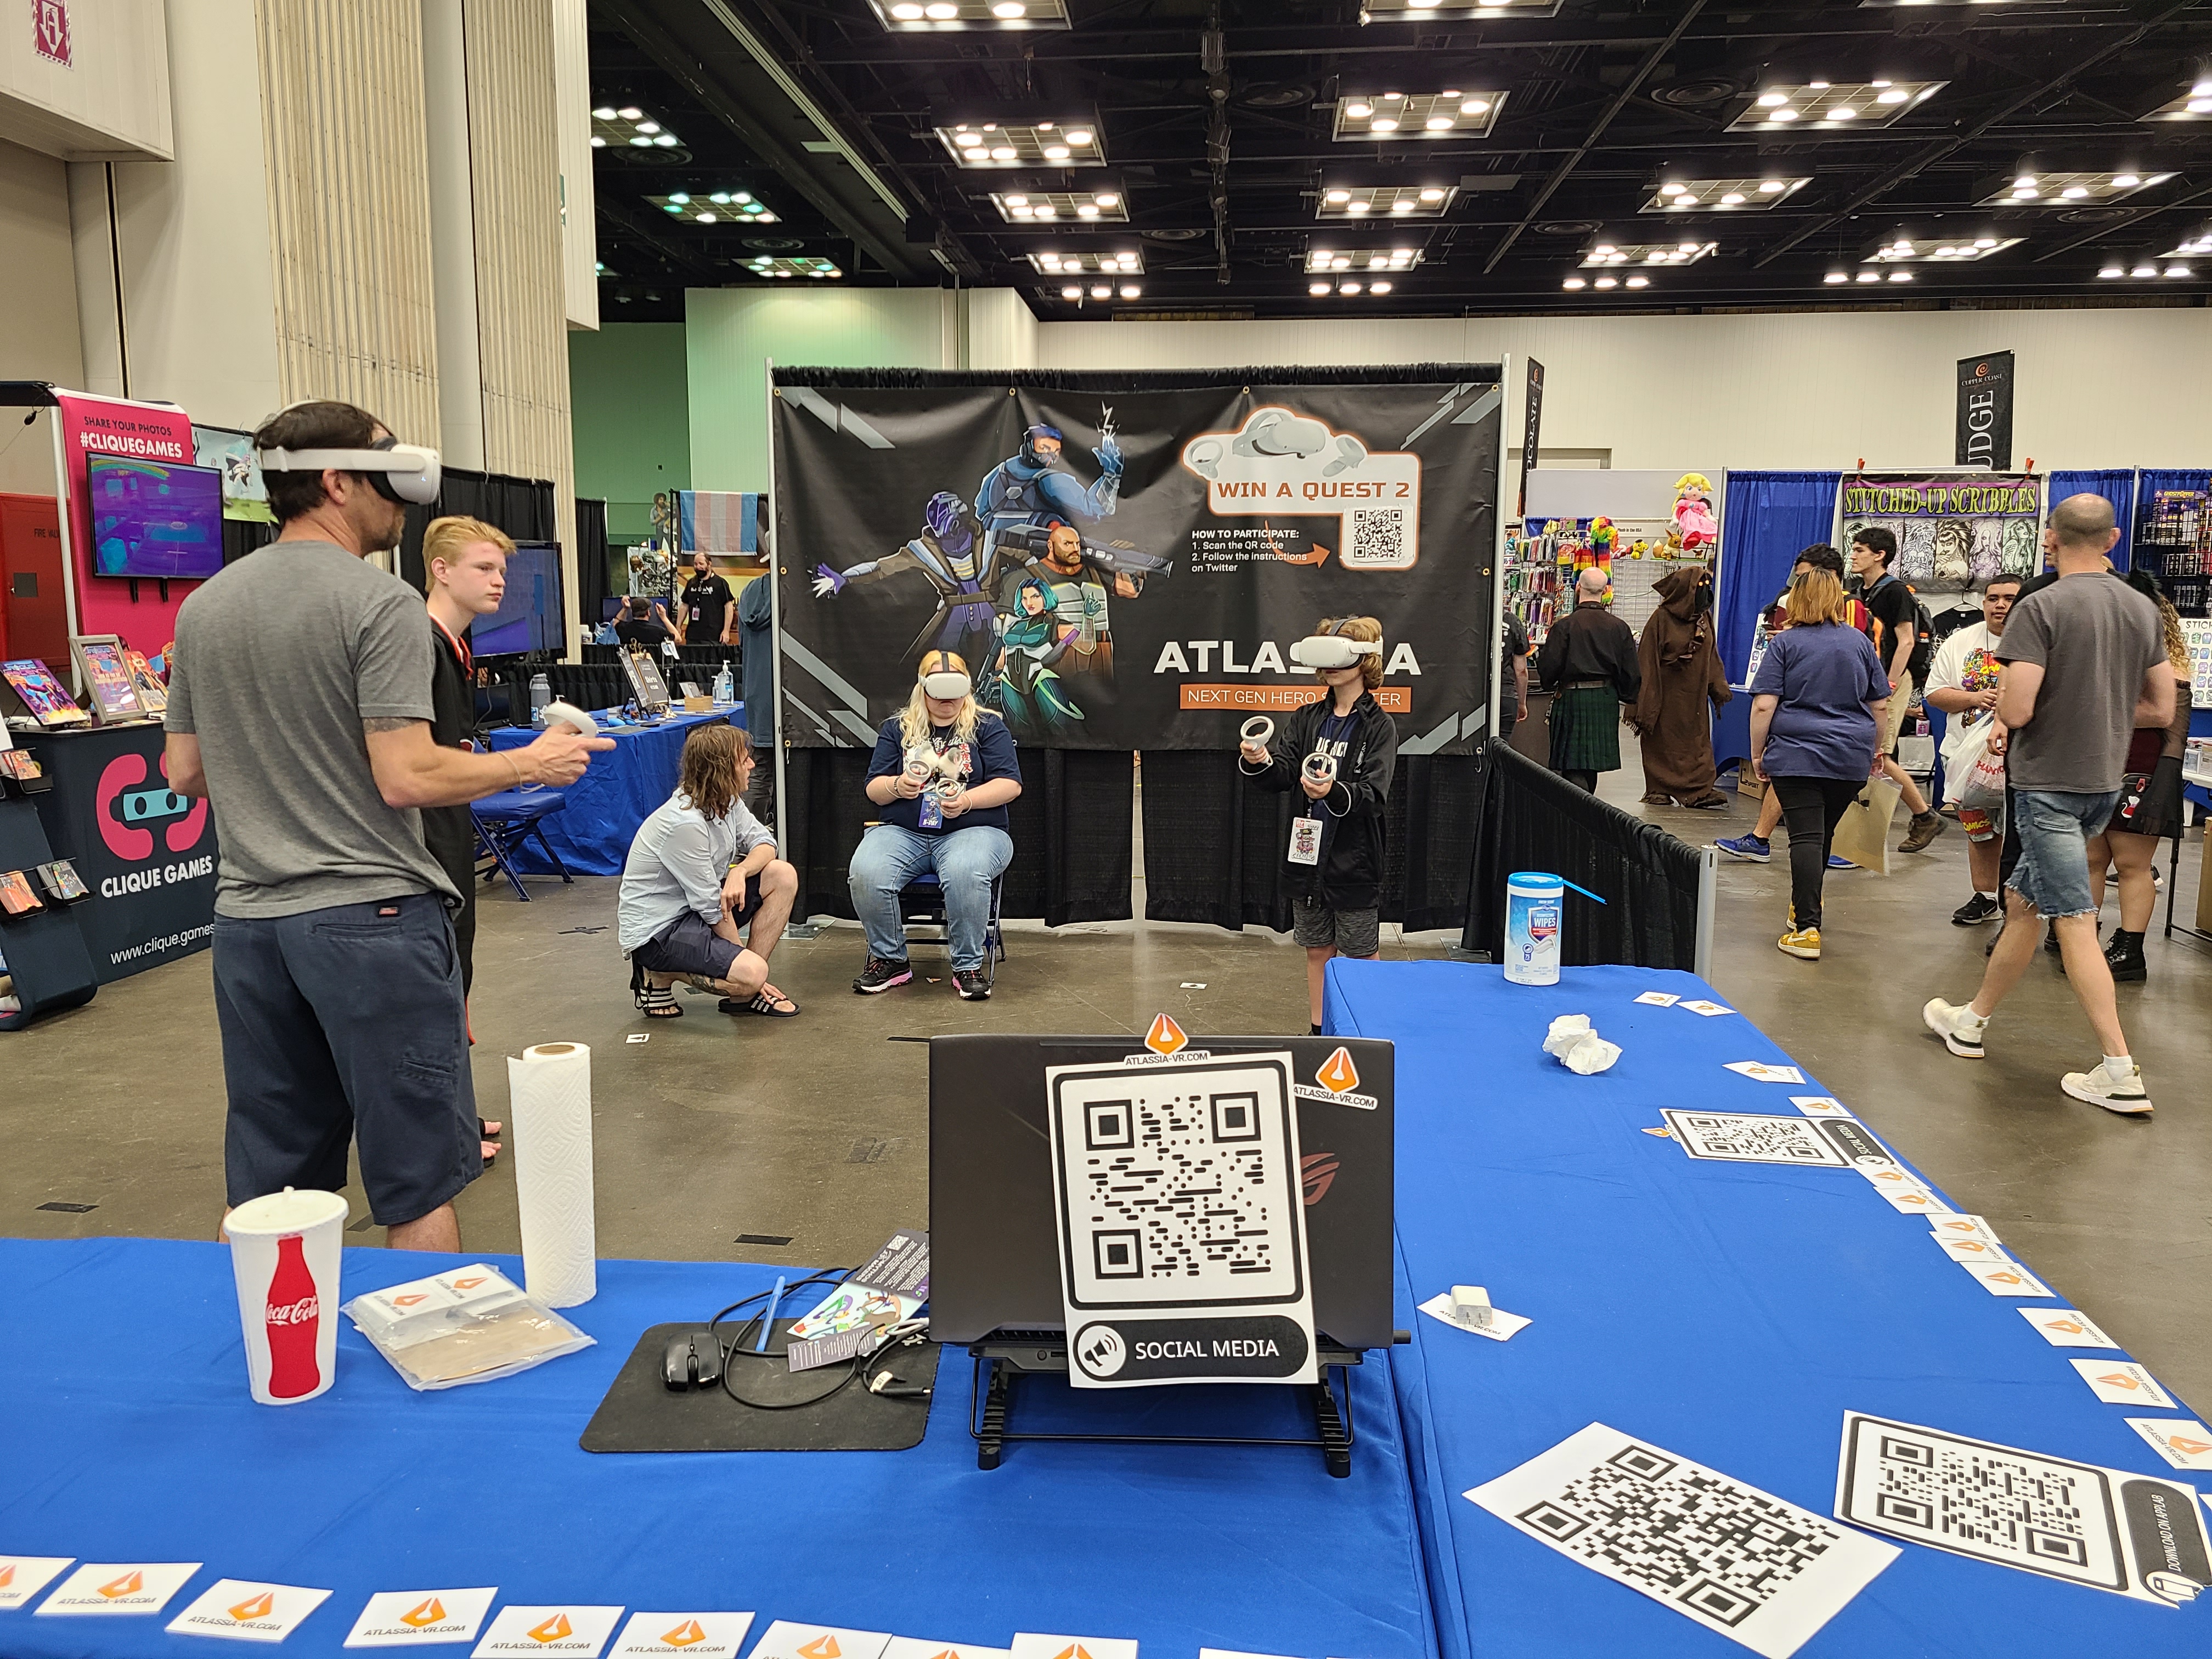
x: 1828, y: 104
x: 1364, y: 117
x: 995, y: 144
x: 1713, y: 195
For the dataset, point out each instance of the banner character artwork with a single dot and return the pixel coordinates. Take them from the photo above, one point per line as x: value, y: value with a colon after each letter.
x: 1123, y: 563
x: 1952, y: 532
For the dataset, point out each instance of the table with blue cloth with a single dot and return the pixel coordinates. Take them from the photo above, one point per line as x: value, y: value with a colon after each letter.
x: 593, y: 831
x: 131, y: 1438
x: 1725, y: 1312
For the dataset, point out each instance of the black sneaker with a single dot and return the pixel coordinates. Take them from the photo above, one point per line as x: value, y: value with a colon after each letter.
x: 972, y: 984
x: 880, y: 974
x: 1975, y: 911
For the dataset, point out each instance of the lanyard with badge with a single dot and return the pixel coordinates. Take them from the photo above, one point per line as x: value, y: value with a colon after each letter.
x: 1307, y: 829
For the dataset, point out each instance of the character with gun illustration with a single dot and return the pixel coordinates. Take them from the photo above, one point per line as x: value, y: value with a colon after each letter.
x: 1082, y: 575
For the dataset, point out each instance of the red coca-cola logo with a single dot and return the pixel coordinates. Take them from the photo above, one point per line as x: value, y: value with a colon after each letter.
x: 304, y: 1311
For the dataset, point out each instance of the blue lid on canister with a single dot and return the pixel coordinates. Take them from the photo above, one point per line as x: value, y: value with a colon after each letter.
x: 1535, y: 878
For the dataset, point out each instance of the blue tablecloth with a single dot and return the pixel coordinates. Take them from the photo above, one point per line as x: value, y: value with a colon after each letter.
x: 129, y: 1438
x: 1730, y: 1312
x: 1732, y: 731
x: 606, y: 804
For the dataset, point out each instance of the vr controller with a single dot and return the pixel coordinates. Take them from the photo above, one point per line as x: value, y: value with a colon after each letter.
x: 1257, y: 730
x: 569, y: 715
x: 1318, y: 768
x: 931, y: 768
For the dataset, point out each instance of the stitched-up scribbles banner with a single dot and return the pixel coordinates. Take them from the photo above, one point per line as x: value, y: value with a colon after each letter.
x: 1124, y: 561
x: 1952, y: 531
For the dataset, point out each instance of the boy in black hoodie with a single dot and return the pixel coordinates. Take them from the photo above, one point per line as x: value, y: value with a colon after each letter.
x: 1333, y: 863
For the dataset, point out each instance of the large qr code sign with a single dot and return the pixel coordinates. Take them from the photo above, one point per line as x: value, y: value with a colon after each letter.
x: 2042, y: 1514
x: 1687, y: 1536
x: 1377, y: 539
x: 1750, y: 1137
x: 1179, y: 1189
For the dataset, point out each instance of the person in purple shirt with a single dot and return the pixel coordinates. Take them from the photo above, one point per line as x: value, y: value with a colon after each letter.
x: 1815, y: 708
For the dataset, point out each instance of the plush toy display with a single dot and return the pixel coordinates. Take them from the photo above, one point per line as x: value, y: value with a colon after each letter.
x: 1695, y: 528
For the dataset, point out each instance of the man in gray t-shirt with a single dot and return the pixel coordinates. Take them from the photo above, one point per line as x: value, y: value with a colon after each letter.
x: 299, y: 705
x: 2084, y: 664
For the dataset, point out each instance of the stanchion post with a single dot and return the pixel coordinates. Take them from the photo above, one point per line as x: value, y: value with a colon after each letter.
x: 1708, y: 884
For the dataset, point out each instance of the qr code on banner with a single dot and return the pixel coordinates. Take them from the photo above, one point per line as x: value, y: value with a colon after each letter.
x: 1753, y: 1566
x: 1750, y: 1137
x: 1378, y: 538
x: 2019, y: 1509
x: 1180, y: 1186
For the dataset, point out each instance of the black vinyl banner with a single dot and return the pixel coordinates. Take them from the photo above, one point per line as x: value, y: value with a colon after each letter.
x: 1125, y: 563
x: 1985, y: 433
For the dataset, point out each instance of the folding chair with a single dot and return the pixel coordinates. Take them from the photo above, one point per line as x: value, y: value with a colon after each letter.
x: 505, y: 821
x: 922, y: 903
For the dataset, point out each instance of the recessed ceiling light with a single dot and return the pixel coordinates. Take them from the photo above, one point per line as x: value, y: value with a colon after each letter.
x: 1771, y: 99
x: 1087, y: 210
x: 1639, y: 281
x: 1900, y: 276
x: 941, y: 12
x: 1003, y: 152
x: 1317, y: 289
x: 1130, y: 290
x: 1608, y: 281
x: 1877, y: 83
x: 1078, y: 137
x: 2114, y: 270
x: 1359, y: 111
x: 2026, y: 181
x: 2125, y: 181
x: 1438, y: 124
x: 2144, y: 270
x: 606, y: 113
x: 908, y: 12
x: 1843, y: 112
x: 1071, y: 292
x: 1473, y: 105
x: 1384, y: 124
x: 1574, y: 281
x: 2177, y: 270
x: 630, y: 112
x: 1869, y: 277
x: 1769, y: 187
x: 1337, y: 196
x: 1734, y: 199
x: 1055, y: 152
x: 1784, y: 115
x: 1378, y: 288
x: 1103, y: 291
x: 1836, y: 277
x: 1106, y: 199
x: 1893, y: 96
x: 1432, y: 194
x: 1356, y: 207
x: 1009, y: 9
x: 1347, y: 287
x: 1818, y: 85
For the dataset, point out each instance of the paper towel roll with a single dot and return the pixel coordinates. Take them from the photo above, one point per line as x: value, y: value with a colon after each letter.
x: 549, y: 1104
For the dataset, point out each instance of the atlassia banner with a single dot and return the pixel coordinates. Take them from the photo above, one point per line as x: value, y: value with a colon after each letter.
x: 141, y: 612
x: 1124, y: 563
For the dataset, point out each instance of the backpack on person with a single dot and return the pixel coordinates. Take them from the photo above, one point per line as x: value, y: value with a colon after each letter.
x: 1924, y: 641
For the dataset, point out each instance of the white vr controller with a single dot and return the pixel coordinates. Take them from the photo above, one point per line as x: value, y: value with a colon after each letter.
x: 1258, y: 730
x: 928, y: 766
x: 569, y: 715
x: 1319, y: 768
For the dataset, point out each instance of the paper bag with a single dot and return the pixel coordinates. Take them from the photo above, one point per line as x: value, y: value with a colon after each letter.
x: 1862, y: 833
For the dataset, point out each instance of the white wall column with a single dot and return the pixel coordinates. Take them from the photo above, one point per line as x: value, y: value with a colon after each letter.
x: 452, y: 235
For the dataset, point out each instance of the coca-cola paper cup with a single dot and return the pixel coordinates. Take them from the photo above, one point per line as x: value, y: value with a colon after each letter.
x: 284, y: 1249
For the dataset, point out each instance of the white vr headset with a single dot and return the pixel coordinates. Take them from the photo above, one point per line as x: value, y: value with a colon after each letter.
x: 947, y: 687
x: 397, y: 471
x: 1333, y: 651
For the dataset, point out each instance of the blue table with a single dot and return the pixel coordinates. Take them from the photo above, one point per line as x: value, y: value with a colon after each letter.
x: 606, y: 804
x: 132, y: 1439
x: 1728, y: 1312
x: 1732, y: 731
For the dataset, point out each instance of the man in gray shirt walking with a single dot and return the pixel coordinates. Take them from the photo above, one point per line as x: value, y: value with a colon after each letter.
x: 2084, y: 664
x: 299, y: 705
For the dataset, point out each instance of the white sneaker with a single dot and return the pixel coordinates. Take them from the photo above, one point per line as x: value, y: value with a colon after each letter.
x: 1958, y: 1024
x: 2099, y: 1087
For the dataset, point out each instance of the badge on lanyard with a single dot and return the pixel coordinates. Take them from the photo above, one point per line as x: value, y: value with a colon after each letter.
x: 1305, y: 841
x: 929, y: 811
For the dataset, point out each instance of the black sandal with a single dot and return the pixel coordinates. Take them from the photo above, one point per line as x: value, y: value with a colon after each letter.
x: 658, y: 1002
x: 762, y: 1001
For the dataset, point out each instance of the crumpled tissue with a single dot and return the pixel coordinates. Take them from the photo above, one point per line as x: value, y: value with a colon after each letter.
x: 1577, y: 1045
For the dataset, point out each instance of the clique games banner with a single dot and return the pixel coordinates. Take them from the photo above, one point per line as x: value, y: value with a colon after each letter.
x: 1125, y: 563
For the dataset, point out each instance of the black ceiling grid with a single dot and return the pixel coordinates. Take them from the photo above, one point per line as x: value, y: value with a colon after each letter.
x: 1285, y: 158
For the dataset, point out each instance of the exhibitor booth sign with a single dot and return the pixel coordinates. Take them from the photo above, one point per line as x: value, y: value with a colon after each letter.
x: 1124, y: 563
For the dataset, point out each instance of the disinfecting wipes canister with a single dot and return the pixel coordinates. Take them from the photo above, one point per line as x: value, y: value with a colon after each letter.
x: 1533, y: 903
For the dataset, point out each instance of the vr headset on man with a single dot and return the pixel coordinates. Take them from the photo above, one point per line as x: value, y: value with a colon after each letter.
x: 397, y: 471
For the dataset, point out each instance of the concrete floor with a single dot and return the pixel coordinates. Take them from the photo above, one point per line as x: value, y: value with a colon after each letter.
x: 814, y: 1130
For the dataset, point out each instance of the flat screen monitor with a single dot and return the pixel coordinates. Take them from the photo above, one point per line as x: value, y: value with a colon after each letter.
x: 155, y: 518
x: 529, y: 615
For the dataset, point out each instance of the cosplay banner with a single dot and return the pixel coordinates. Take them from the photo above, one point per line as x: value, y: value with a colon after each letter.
x: 1124, y: 562
x: 1951, y: 531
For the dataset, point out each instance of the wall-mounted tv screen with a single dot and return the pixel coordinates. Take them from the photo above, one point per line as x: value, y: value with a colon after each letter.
x: 153, y: 518
x: 529, y: 614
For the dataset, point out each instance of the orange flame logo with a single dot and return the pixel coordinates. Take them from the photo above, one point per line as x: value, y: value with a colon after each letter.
x: 1166, y: 1037
x: 2190, y: 1447
x: 553, y: 1629
x: 7, y: 1575
x: 129, y: 1584
x: 1338, y: 1073
x: 685, y: 1635
x: 431, y: 1611
x: 822, y: 1646
x: 256, y: 1607
x: 2119, y: 1380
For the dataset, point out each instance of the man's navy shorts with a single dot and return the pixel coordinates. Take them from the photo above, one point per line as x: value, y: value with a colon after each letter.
x: 347, y: 1025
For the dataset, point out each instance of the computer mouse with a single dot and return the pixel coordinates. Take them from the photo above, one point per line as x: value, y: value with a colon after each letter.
x: 696, y: 1357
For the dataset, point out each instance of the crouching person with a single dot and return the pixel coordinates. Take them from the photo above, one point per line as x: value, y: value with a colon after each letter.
x: 704, y: 897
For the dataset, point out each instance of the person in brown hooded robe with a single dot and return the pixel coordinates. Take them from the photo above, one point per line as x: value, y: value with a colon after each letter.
x: 1681, y: 670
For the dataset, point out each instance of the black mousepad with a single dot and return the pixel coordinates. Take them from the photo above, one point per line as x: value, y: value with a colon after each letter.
x: 640, y: 1414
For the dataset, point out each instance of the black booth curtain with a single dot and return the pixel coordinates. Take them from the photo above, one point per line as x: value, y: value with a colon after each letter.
x: 523, y: 508
x: 591, y: 561
x: 1531, y: 818
x: 1213, y: 843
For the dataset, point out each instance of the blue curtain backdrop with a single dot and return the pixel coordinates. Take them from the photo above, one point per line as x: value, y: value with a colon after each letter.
x: 1766, y: 519
x: 2117, y: 484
